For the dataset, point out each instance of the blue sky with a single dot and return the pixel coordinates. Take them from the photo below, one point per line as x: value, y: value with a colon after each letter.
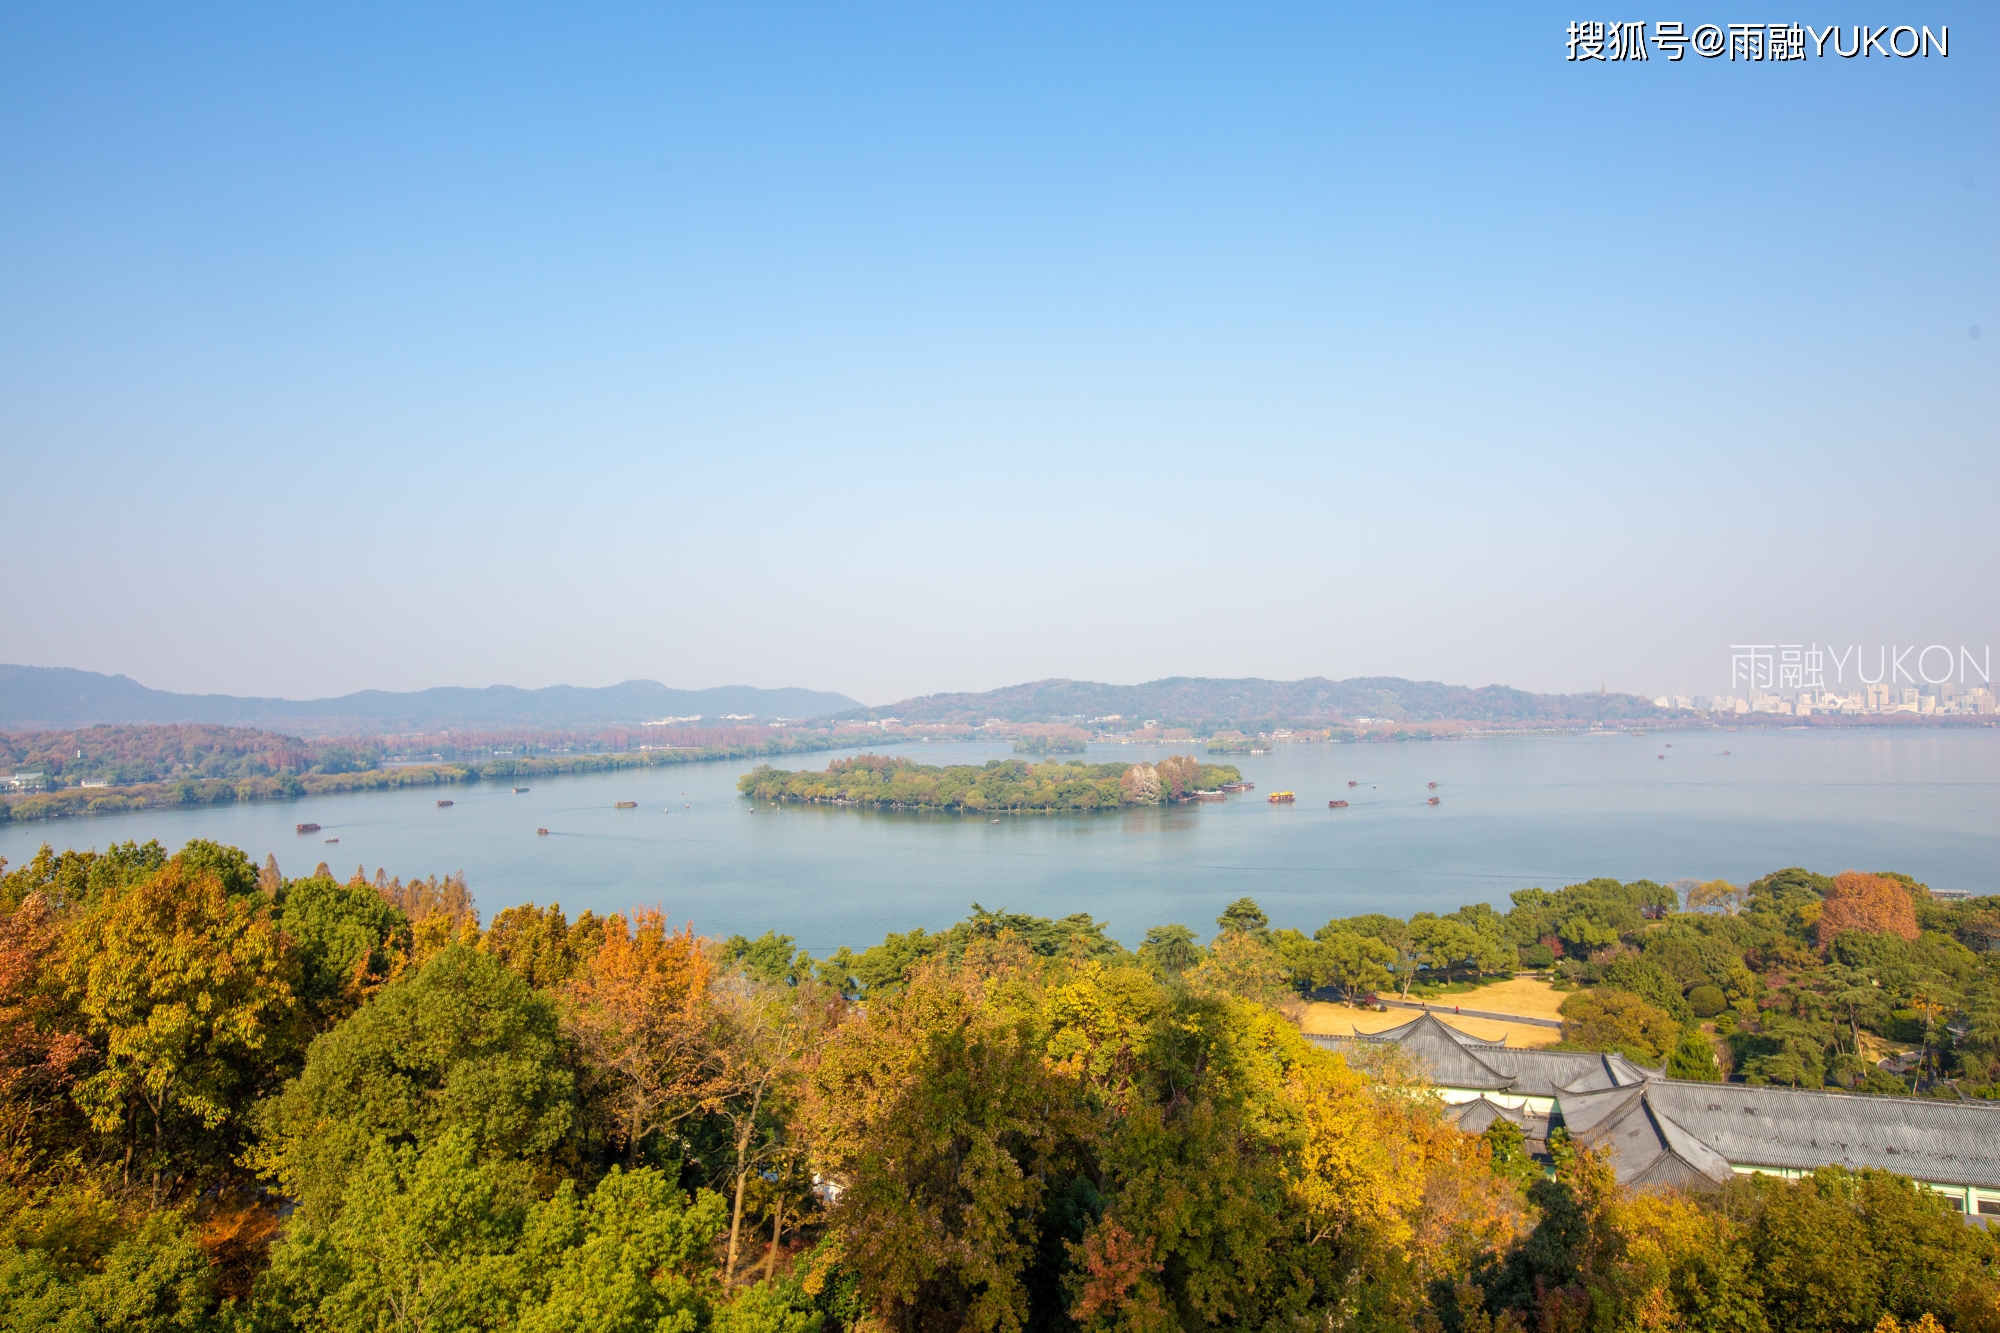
x: 900, y: 349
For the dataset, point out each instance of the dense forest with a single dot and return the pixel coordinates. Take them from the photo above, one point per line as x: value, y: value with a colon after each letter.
x: 232, y: 1100
x: 997, y: 785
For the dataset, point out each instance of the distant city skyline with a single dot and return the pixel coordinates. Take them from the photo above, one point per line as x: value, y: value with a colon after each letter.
x: 895, y: 352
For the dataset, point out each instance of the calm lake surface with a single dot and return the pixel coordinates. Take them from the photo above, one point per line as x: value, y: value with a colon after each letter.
x: 1513, y: 813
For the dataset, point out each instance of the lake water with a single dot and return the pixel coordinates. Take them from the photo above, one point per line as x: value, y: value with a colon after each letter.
x: 1512, y: 813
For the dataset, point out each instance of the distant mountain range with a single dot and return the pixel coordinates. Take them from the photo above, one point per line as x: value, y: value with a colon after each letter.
x: 1181, y: 700
x: 44, y: 698
x: 41, y: 698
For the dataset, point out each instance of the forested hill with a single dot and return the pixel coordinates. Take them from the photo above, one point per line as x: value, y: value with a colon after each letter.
x: 55, y: 697
x: 1186, y: 699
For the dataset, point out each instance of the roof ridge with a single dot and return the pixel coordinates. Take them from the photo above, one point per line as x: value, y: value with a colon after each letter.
x: 1865, y: 1097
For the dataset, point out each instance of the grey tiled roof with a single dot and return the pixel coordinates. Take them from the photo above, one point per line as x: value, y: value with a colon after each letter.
x: 1456, y: 1060
x: 1670, y: 1126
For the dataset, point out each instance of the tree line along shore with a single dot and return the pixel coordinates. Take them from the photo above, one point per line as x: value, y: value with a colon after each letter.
x: 231, y: 1099
x: 201, y: 789
x: 998, y: 785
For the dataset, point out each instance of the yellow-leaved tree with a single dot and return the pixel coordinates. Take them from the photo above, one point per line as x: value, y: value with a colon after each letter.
x: 190, y: 993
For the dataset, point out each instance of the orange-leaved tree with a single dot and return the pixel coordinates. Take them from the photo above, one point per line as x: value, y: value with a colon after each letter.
x: 1865, y: 902
x: 642, y: 1013
x: 41, y: 1054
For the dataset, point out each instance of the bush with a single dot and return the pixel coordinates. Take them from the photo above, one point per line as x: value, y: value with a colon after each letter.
x: 1707, y: 1001
x: 1537, y: 955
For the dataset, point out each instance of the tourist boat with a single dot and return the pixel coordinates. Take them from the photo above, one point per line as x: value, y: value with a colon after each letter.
x: 1336, y: 805
x: 1432, y: 801
x: 1239, y: 786
x: 308, y: 828
x: 443, y: 804
x: 519, y: 790
x: 624, y: 805
x: 1282, y: 797
x: 542, y: 832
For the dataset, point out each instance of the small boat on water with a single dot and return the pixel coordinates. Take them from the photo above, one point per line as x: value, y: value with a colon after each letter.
x: 1432, y: 801
x: 443, y: 804
x: 519, y: 790
x: 1434, y: 786
x: 624, y: 805
x: 1282, y: 797
x: 308, y: 828
x: 1354, y: 784
x: 1336, y: 805
x: 1238, y: 786
x: 333, y: 840
x: 542, y: 832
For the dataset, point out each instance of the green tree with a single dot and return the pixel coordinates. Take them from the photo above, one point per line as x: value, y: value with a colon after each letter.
x: 463, y: 1045
x: 1244, y: 917
x: 1693, y: 1058
x: 439, y: 1237
x: 1170, y: 949
x: 770, y: 957
x: 348, y: 938
x: 153, y: 1278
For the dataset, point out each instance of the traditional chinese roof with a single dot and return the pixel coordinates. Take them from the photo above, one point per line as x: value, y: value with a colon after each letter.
x: 1455, y: 1060
x: 1667, y: 1132
x: 1474, y: 1116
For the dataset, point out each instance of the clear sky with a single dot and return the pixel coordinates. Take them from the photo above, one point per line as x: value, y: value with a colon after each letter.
x: 901, y: 349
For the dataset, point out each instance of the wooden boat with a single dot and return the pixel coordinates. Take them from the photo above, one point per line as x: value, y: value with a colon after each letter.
x: 1239, y: 786
x: 1282, y: 797
x: 542, y: 832
x: 443, y: 804
x: 1432, y: 801
x: 624, y: 805
x: 308, y: 828
x: 519, y: 790
x: 333, y: 840
x: 1336, y: 805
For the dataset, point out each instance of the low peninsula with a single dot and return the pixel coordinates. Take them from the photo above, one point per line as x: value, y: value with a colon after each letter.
x: 997, y: 785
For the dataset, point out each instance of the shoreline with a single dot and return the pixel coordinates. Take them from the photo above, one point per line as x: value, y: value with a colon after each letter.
x: 194, y: 793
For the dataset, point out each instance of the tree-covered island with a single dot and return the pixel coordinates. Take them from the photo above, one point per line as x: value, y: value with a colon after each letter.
x: 999, y: 784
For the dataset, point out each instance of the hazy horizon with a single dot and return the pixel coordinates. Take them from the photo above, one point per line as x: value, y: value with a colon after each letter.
x: 896, y: 352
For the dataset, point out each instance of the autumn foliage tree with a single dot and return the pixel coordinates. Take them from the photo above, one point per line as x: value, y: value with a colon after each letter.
x: 190, y: 993
x: 941, y: 1121
x: 640, y: 1010
x: 41, y: 1051
x: 1858, y: 901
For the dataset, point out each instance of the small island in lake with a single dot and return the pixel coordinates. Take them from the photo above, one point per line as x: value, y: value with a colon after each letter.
x: 999, y: 784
